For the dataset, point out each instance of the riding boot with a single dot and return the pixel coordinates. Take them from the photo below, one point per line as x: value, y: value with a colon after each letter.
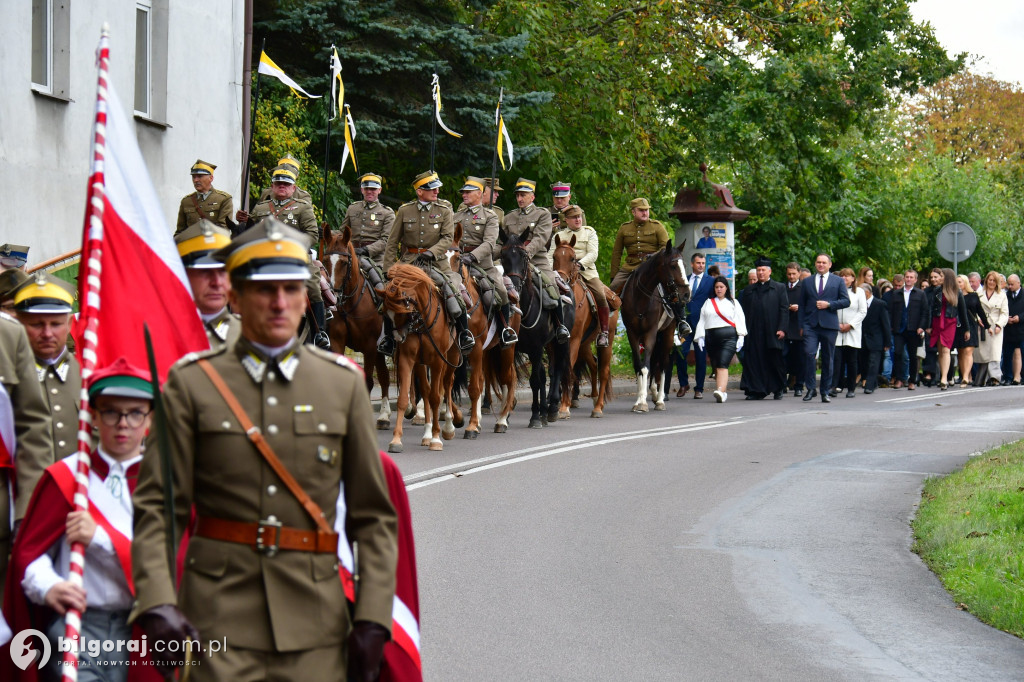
x: 466, y: 338
x: 386, y: 345
x: 561, y: 333
x: 602, y: 318
x: 682, y: 326
x: 508, y: 334
x: 320, y: 339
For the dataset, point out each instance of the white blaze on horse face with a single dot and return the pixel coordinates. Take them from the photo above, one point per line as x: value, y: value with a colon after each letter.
x: 333, y: 260
x: 682, y: 267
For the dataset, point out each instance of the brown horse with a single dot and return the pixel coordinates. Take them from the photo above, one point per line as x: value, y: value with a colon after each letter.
x: 585, y: 329
x: 424, y: 341
x: 356, y: 323
x: 489, y: 363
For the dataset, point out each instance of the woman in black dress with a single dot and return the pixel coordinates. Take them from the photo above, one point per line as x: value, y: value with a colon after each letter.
x: 965, y: 344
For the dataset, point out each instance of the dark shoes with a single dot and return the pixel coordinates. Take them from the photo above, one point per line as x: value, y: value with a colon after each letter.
x: 850, y: 393
x: 386, y: 345
x: 797, y: 392
x: 683, y: 390
x: 778, y: 395
x: 466, y: 340
x: 811, y: 392
x: 825, y: 398
x: 562, y: 334
x: 868, y: 391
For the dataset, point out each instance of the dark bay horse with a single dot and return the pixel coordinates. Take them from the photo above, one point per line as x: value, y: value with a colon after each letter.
x: 536, y: 331
x: 585, y: 329
x: 658, y: 281
x: 356, y: 323
x: 424, y: 344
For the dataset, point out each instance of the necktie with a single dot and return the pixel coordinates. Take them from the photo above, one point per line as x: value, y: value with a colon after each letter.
x: 116, y: 485
x: 821, y: 284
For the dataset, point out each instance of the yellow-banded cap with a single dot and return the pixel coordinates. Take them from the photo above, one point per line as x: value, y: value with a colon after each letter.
x: 44, y: 293
x: 284, y: 174
x: 201, y: 167
x: 370, y: 181
x: 427, y: 180
x: 201, y: 239
x: 472, y: 183
x: 269, y: 250
x: 291, y: 162
x: 524, y: 185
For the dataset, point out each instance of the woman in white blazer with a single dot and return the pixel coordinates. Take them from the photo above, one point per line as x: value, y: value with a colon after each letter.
x: 848, y: 339
x: 723, y: 327
x: 990, y: 347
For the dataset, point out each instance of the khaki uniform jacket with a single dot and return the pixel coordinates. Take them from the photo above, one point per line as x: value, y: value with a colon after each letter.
x: 31, y: 416
x: 431, y: 228
x: 314, y: 411
x: 62, y: 387
x: 216, y: 208
x: 297, y: 213
x: 223, y: 330
x: 479, y: 233
x: 534, y: 225
x: 301, y: 194
x: 555, y: 211
x: 638, y: 241
x: 370, y: 222
x: 586, y: 248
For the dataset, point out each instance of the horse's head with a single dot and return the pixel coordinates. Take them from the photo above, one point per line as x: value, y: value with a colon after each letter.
x: 672, y: 272
x: 514, y: 259
x: 407, y: 293
x: 339, y: 259
x: 563, y: 258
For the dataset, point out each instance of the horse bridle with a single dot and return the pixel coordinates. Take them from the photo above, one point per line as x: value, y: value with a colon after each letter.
x: 670, y: 289
x: 342, y: 296
x: 523, y: 282
x: 418, y: 325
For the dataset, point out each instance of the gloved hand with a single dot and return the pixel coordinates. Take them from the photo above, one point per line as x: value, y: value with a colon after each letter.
x: 468, y: 258
x: 362, y: 251
x: 739, y: 344
x: 700, y: 343
x: 424, y: 259
x: 366, y: 650
x: 167, y: 623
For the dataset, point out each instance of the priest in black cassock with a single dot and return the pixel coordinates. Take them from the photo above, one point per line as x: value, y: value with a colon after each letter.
x: 766, y: 307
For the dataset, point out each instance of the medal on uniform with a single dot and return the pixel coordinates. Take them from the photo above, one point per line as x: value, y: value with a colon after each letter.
x: 436, y: 226
x: 289, y: 216
x: 373, y: 216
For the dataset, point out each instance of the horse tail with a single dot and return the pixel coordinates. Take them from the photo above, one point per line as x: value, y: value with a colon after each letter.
x: 461, y: 381
x: 582, y: 368
x: 522, y: 367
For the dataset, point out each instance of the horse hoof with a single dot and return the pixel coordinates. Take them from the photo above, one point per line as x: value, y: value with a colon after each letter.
x: 418, y: 421
x: 436, y: 446
x: 410, y: 411
x: 596, y: 414
x: 660, y: 407
x: 447, y: 435
x: 574, y: 403
x: 459, y: 421
x: 563, y: 414
x: 470, y: 435
x: 553, y: 417
x: 500, y: 428
x: 395, y: 447
x: 425, y: 441
x: 640, y: 408
x: 485, y: 410
x: 383, y: 426
x: 536, y: 424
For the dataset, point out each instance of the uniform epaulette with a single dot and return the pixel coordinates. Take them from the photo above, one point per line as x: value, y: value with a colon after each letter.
x: 408, y: 203
x: 337, y: 359
x: 220, y: 191
x: 9, y: 318
x: 189, y: 358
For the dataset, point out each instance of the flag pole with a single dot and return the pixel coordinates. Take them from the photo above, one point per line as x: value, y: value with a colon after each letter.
x: 327, y: 145
x: 90, y: 299
x: 252, y: 133
x: 497, y: 141
x: 433, y: 125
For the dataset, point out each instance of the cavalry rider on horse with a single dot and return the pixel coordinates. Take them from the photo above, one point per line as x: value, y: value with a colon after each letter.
x: 370, y: 224
x: 532, y: 224
x: 479, y: 233
x: 641, y: 237
x: 586, y: 248
x: 423, y: 232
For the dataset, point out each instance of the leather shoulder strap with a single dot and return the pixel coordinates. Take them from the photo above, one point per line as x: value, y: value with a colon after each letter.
x: 254, y: 435
x: 200, y: 211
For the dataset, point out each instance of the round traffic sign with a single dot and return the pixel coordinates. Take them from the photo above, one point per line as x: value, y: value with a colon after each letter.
x: 956, y: 241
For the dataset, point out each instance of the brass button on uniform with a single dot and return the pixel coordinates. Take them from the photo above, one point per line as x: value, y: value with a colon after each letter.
x: 272, y: 429
x: 272, y: 401
x: 271, y: 490
x: 226, y: 424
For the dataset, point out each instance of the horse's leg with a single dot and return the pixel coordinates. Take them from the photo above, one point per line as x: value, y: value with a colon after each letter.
x: 380, y: 364
x: 558, y: 369
x: 435, y: 392
x: 506, y: 373
x: 537, y: 379
x: 476, y: 379
x: 452, y: 414
x: 424, y: 379
x: 404, y: 372
x: 567, y: 375
x: 603, y: 374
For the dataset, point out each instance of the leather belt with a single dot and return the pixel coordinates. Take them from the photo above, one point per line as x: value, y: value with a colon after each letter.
x: 267, y: 536
x: 412, y: 249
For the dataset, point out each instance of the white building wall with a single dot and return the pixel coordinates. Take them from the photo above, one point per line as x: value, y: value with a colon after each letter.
x: 45, y: 143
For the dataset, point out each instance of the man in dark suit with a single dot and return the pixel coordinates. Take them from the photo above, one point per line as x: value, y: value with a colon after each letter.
x: 908, y: 313
x: 822, y: 295
x: 701, y: 287
x: 876, y: 330
x: 794, y: 340
x: 1013, y: 335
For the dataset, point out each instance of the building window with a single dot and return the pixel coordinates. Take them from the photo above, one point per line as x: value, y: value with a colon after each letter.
x: 51, y: 43
x: 151, y: 60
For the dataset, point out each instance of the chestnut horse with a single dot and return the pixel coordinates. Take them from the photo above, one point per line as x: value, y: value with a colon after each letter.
x: 659, y: 280
x: 356, y: 323
x: 585, y: 329
x: 424, y: 342
x: 489, y: 363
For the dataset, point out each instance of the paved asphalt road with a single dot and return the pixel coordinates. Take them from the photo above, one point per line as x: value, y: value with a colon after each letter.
x: 751, y: 540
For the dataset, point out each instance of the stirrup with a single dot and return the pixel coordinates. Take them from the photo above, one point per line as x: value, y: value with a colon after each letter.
x: 683, y: 329
x: 386, y: 346
x: 466, y: 340
x: 562, y: 334
x: 508, y: 337
x: 602, y: 340
x: 321, y: 340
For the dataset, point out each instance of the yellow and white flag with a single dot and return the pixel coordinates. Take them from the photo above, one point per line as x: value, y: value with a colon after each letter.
x: 269, y: 68
x: 435, y: 87
x: 503, y: 138
x: 337, y: 86
x: 350, y: 134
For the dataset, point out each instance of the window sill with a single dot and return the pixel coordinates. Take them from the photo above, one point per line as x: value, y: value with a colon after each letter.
x: 142, y: 118
x: 38, y: 91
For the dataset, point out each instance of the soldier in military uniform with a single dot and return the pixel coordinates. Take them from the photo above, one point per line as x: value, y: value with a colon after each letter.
x: 291, y: 163
x: 423, y: 233
x: 32, y: 429
x: 561, y: 198
x: 479, y: 232
x: 640, y: 238
x: 206, y: 203
x: 262, y: 568
x: 533, y: 225
x: 43, y: 305
x: 370, y: 223
x: 209, y: 280
x: 285, y: 206
x: 586, y: 248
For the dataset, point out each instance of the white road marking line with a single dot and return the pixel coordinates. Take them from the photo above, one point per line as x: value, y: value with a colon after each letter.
x: 943, y: 394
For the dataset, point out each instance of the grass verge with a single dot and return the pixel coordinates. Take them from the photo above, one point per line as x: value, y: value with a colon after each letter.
x: 970, y: 531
